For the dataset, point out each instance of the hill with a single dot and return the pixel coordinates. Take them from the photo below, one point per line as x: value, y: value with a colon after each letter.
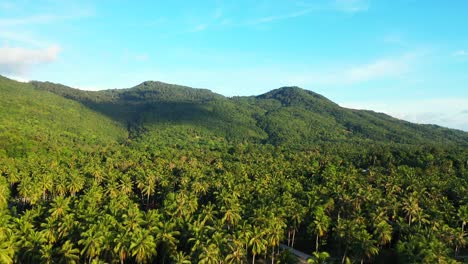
x: 288, y: 115
x: 33, y: 121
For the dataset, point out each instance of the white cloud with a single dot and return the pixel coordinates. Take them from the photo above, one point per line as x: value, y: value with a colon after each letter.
x: 460, y: 53
x: 142, y: 57
x: 448, y: 112
x: 379, y: 69
x: 67, y: 10
x: 260, y: 79
x: 352, y: 6
x: 17, y: 61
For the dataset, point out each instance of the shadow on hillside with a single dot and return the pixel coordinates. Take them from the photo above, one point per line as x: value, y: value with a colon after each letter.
x: 156, y: 112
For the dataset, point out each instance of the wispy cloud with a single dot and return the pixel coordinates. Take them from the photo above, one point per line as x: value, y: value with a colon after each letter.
x: 460, y: 53
x: 303, y: 9
x: 45, y: 18
x: 351, y: 6
x: 6, y: 5
x: 379, y: 69
x: 21, y: 37
x: 36, y: 19
x: 269, y: 19
x: 213, y: 19
x: 17, y: 61
x: 199, y: 27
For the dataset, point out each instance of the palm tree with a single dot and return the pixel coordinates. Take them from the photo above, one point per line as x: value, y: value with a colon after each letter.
x: 69, y: 254
x: 4, y: 193
x: 92, y: 242
x: 319, y: 225
x: 210, y: 255
x: 61, y: 186
x: 275, y: 233
x: 66, y: 224
x: 411, y: 207
x: 122, y: 245
x: 146, y: 182
x: 75, y: 183
x: 181, y: 258
x: 60, y: 207
x: 244, y: 234
x: 237, y: 252
x: 297, y: 215
x: 143, y: 246
x: 7, y: 249
x: 29, y: 241
x: 383, y: 233
x: 319, y: 258
x: 463, y: 216
x: 46, y: 184
x: 231, y: 216
x: 49, y: 230
x: 257, y: 243
x: 126, y: 184
x: 133, y: 219
x: 167, y: 237
x: 47, y: 253
x: 364, y: 244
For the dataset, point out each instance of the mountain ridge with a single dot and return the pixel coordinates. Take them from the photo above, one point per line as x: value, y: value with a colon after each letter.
x: 287, y: 115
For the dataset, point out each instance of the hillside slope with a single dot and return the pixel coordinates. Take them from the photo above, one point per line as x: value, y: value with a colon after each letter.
x: 32, y: 121
x: 288, y: 115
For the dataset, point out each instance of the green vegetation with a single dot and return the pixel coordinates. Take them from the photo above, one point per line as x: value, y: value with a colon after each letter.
x: 169, y: 174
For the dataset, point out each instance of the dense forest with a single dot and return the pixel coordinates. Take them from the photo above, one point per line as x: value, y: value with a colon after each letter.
x: 161, y: 173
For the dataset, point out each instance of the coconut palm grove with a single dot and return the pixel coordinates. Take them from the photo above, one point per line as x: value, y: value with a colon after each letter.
x: 161, y: 173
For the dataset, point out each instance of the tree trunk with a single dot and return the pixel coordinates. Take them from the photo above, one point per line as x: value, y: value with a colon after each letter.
x: 294, y: 236
x: 253, y: 258
x: 289, y: 237
x: 147, y: 200
x: 273, y: 255
x: 344, y: 256
x: 316, y: 243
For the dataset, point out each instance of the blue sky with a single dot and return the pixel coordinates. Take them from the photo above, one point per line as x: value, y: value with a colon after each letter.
x: 407, y: 58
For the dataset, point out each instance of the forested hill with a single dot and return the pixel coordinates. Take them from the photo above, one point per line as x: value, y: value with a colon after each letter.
x: 33, y: 121
x: 289, y: 115
x: 161, y: 173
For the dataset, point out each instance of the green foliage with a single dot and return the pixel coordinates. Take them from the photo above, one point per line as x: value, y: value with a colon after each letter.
x: 32, y: 121
x: 287, y: 116
x: 166, y: 174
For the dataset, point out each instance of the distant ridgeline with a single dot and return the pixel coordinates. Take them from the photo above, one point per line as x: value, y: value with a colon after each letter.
x: 289, y: 115
x: 162, y: 173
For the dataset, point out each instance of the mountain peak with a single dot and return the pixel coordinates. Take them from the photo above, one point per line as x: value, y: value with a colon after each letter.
x: 291, y: 95
x: 170, y: 92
